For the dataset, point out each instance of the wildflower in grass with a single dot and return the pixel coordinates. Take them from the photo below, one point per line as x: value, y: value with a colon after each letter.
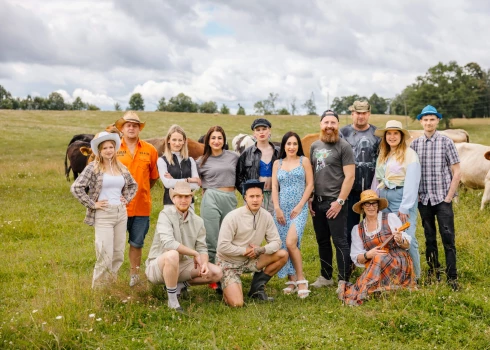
x: 34, y: 311
x: 91, y: 315
x: 99, y: 319
x: 59, y: 317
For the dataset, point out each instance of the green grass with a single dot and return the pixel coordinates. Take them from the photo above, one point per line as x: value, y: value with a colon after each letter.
x: 48, y: 257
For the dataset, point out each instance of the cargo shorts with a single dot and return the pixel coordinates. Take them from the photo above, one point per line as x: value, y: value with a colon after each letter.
x: 232, y: 271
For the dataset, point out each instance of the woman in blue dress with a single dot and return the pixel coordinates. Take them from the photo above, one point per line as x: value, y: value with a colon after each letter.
x: 292, y: 184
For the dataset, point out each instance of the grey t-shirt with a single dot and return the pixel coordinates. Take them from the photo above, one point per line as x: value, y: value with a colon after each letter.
x: 365, y: 147
x: 328, y: 160
x: 218, y: 171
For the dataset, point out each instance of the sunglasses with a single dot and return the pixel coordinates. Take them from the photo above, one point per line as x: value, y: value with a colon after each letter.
x: 371, y: 204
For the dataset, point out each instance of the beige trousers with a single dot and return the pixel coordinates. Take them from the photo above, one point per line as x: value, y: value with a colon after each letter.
x: 110, y: 241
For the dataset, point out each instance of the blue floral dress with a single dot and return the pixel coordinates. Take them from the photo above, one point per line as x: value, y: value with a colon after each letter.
x: 292, y: 187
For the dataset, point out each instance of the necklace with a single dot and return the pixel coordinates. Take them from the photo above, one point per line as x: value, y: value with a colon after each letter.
x: 366, y: 226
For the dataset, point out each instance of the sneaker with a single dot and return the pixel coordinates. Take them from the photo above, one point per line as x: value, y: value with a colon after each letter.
x: 134, y: 280
x: 322, y: 282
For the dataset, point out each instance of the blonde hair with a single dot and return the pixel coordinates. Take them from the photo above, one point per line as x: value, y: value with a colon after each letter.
x: 99, y: 164
x: 385, y: 149
x: 184, y: 152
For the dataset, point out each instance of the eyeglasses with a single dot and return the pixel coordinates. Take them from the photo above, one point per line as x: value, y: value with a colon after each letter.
x: 371, y: 204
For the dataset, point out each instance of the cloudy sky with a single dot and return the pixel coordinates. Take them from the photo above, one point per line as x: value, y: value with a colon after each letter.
x: 232, y: 51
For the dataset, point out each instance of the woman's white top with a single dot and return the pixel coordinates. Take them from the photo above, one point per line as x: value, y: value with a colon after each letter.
x: 170, y: 183
x: 357, y: 247
x: 112, y: 189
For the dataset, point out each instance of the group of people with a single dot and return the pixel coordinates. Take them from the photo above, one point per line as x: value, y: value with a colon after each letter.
x: 353, y: 171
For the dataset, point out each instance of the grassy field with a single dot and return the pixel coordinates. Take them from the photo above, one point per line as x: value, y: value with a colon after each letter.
x: 48, y: 257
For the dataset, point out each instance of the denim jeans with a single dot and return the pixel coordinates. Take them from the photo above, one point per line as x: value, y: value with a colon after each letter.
x: 334, y: 228
x: 353, y: 218
x: 394, y: 198
x: 445, y: 218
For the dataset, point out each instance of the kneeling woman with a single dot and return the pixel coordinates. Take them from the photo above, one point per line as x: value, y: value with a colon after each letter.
x: 387, y: 268
x: 110, y: 188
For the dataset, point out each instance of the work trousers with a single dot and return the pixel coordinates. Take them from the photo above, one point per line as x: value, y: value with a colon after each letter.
x: 110, y: 236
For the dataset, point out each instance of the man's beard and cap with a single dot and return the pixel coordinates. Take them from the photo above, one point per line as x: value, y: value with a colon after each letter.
x: 334, y: 136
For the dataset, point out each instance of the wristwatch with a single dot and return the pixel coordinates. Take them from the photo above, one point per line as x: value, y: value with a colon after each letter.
x: 340, y: 201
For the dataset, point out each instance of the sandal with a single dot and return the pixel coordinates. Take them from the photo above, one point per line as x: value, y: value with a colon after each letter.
x: 291, y: 287
x: 303, y: 293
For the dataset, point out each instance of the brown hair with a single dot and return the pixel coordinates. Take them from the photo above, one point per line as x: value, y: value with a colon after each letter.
x: 184, y: 152
x: 385, y: 149
x: 207, y: 148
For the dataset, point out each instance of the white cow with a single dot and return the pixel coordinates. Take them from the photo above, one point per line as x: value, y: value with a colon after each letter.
x: 241, y: 142
x: 457, y: 135
x: 475, y: 171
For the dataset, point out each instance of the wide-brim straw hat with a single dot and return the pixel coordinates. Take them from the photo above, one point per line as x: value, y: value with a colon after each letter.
x: 369, y: 196
x: 102, y: 137
x: 392, y: 125
x: 182, y: 188
x: 129, y: 117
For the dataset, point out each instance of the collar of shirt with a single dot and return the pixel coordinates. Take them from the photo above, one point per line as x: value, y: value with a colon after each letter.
x: 432, y: 138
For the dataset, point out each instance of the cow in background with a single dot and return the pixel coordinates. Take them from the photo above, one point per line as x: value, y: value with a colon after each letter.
x: 72, y: 155
x: 475, y: 171
x: 241, y: 142
x: 77, y: 159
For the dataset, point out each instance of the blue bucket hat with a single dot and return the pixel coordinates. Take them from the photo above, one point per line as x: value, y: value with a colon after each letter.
x: 429, y: 110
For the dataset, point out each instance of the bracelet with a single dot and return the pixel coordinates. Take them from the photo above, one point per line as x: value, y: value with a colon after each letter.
x: 365, y: 256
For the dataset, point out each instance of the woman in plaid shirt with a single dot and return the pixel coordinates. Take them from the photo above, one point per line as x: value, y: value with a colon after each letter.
x: 110, y: 188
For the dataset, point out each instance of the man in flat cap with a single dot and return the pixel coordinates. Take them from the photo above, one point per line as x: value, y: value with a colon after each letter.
x: 140, y: 158
x: 360, y: 135
x: 239, y: 247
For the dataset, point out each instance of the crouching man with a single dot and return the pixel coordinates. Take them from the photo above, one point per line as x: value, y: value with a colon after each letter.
x: 178, y: 255
x: 239, y: 247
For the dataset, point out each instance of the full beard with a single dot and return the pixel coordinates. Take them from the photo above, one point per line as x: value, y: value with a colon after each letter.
x: 329, y: 138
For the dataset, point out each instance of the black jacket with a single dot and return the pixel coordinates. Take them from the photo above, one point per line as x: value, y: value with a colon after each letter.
x: 248, y: 164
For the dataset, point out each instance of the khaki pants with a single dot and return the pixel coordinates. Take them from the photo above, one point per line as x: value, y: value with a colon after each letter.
x: 110, y: 240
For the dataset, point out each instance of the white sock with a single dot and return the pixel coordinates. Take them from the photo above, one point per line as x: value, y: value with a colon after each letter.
x: 173, y: 303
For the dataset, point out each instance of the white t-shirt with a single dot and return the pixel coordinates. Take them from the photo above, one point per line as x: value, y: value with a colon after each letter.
x: 112, y: 189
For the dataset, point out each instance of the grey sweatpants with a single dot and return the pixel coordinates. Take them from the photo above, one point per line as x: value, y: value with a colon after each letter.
x: 214, y: 207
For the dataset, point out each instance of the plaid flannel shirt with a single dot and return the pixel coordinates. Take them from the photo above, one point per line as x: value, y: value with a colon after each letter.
x: 436, y: 154
x: 93, y: 180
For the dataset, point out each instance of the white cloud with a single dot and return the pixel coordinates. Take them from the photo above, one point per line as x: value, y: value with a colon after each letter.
x: 233, y: 52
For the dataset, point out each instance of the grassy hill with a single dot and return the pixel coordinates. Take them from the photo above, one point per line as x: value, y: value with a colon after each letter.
x: 48, y: 257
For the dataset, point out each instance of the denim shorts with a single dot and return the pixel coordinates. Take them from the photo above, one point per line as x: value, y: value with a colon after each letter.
x: 138, y: 227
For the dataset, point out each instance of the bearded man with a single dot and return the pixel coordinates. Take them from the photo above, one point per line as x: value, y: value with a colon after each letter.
x: 333, y: 165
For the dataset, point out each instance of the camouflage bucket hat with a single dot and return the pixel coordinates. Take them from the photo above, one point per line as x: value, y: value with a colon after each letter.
x: 360, y: 106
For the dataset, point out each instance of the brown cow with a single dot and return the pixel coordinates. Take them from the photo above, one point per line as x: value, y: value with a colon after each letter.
x: 78, y: 137
x: 307, y: 141
x: 77, y: 159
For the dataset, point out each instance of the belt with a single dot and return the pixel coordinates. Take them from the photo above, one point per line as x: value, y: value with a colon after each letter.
x: 395, y: 188
x: 324, y: 198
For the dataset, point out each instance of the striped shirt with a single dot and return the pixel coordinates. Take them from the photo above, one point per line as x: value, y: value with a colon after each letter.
x: 436, y: 154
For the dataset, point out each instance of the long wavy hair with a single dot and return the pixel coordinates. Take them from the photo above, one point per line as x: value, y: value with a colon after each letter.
x: 184, y: 152
x: 285, y: 138
x: 207, y: 147
x: 385, y: 149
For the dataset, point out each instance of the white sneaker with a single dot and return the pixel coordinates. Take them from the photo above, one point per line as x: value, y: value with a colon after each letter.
x: 134, y: 280
x: 322, y: 282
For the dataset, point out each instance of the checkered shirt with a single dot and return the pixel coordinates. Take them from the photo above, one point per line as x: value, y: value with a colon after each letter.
x: 437, y: 154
